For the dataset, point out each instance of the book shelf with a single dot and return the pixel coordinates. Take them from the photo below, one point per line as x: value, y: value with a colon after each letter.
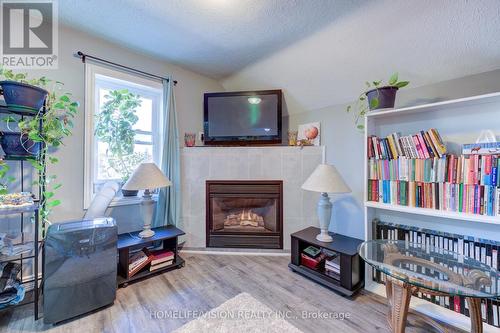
x: 459, y: 121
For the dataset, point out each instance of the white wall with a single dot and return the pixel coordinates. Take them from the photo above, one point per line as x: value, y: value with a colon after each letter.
x: 344, y: 144
x: 188, y: 94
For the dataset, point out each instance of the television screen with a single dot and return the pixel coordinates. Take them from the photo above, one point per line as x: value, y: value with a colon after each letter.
x: 243, y: 117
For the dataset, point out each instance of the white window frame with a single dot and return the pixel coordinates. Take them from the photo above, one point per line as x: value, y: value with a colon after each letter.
x: 147, y: 88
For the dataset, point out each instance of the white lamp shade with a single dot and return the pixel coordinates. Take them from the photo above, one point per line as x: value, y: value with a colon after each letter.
x: 326, y: 178
x: 146, y: 176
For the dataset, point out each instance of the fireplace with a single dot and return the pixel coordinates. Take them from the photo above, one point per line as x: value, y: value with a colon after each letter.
x: 244, y: 213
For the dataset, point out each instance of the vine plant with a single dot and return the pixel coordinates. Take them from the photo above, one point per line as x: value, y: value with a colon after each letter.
x: 361, y: 103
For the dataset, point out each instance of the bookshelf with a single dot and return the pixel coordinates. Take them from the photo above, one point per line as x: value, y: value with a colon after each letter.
x: 459, y: 121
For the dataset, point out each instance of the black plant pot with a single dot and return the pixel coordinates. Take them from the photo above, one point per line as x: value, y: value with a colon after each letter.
x: 23, y: 97
x: 129, y: 193
x: 15, y: 145
x: 386, y: 97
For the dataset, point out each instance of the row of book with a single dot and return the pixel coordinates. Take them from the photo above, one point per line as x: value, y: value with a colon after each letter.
x: 470, y: 199
x: 482, y: 250
x: 332, y: 266
x: 463, y: 169
x: 425, y: 144
x: 150, y: 260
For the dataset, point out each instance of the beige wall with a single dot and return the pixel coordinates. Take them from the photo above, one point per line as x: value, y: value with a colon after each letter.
x: 188, y: 94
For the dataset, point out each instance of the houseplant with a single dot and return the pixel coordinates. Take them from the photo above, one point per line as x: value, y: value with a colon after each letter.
x: 22, y: 94
x: 56, y: 120
x: 379, y: 96
x: 115, y: 127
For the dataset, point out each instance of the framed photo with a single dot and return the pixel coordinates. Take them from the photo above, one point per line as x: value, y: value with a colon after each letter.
x: 309, y: 134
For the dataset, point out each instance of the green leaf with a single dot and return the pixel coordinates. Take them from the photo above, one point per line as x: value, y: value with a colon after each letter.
x: 53, y: 160
x: 376, y: 83
x: 361, y: 127
x: 348, y: 108
x: 48, y: 194
x: 374, y: 103
x: 393, y: 79
x: 57, y: 186
x: 9, y: 119
x: 402, y: 84
x: 64, y: 98
x: 36, y: 165
x: 367, y: 84
x: 54, y: 203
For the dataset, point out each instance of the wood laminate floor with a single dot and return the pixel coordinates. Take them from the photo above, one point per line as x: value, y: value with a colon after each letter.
x: 209, y: 280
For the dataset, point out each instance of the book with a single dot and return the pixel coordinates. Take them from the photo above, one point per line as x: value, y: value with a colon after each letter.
x: 481, y: 148
x: 160, y: 256
x: 160, y: 265
x: 312, y: 263
x: 138, y: 261
x: 312, y: 251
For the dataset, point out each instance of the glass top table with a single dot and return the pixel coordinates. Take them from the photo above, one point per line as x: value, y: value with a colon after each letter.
x: 415, y: 267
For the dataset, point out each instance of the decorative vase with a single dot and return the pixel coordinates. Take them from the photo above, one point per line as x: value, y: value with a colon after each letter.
x: 189, y: 139
x: 15, y: 145
x: 23, y: 97
x: 386, y: 97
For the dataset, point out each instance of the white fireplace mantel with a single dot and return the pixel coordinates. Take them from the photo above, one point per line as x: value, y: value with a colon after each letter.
x: 290, y: 164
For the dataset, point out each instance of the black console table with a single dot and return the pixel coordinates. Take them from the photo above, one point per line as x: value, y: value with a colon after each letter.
x: 351, y: 266
x: 130, y: 241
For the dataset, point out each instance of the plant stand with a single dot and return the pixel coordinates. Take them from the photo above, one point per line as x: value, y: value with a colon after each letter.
x: 31, y: 296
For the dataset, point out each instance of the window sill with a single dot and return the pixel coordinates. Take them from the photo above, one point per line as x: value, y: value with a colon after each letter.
x: 120, y: 200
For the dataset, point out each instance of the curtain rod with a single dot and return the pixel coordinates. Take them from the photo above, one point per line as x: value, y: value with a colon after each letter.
x: 84, y: 56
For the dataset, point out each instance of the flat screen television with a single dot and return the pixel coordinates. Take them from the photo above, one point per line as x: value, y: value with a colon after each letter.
x: 242, y: 117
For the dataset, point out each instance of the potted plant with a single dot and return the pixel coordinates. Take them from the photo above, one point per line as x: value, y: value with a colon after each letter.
x: 381, y: 96
x: 57, y: 122
x: 21, y: 94
x: 115, y: 127
x: 18, y: 145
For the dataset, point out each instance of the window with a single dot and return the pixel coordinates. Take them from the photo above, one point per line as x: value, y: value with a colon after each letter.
x: 123, y: 117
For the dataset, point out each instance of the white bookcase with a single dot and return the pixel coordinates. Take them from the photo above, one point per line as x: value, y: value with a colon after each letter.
x: 458, y: 121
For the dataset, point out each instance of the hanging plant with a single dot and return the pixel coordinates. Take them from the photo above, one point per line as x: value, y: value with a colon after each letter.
x: 378, y: 96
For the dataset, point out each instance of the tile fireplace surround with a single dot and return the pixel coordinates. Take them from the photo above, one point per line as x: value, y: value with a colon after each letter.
x: 292, y: 165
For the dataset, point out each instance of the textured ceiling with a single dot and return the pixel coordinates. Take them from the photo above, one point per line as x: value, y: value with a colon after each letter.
x: 426, y: 41
x: 212, y: 37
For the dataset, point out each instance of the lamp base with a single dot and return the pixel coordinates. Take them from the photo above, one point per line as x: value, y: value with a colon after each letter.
x: 146, y: 233
x: 324, y: 237
x: 324, y: 216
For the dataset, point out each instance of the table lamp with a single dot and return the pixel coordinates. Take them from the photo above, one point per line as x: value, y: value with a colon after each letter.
x: 147, y: 177
x: 325, y: 179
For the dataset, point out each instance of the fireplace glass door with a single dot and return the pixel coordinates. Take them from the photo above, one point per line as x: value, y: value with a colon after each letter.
x: 244, y: 214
